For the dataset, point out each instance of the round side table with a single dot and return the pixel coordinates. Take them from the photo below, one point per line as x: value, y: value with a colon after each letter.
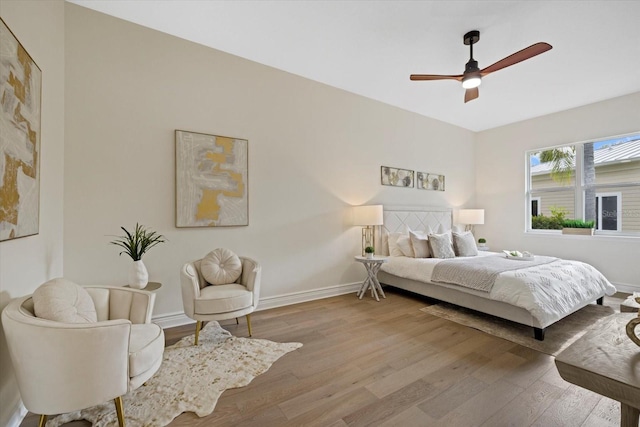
x: 372, y: 265
x: 151, y: 286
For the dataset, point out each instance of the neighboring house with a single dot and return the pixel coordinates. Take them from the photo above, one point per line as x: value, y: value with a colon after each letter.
x: 617, y: 188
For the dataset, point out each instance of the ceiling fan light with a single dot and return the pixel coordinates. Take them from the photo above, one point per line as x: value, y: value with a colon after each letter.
x: 470, y: 82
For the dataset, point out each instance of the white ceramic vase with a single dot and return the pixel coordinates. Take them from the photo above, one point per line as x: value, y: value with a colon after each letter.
x: 368, y: 255
x: 138, y: 275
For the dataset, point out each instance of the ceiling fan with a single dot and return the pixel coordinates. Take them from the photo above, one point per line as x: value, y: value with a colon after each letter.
x: 472, y: 76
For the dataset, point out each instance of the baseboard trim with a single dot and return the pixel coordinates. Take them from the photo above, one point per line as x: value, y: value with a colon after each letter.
x: 173, y: 320
x: 18, y: 415
x: 305, y: 296
x: 626, y: 287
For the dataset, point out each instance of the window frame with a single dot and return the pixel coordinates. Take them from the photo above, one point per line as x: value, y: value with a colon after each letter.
x: 618, y: 196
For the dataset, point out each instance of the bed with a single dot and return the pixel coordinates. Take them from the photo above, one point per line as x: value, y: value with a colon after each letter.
x: 534, y: 295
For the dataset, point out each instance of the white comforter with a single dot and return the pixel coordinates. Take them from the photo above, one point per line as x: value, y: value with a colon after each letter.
x: 548, y: 294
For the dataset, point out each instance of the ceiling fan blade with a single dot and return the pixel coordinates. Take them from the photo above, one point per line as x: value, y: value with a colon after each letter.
x: 526, y: 53
x: 435, y: 77
x: 471, y: 94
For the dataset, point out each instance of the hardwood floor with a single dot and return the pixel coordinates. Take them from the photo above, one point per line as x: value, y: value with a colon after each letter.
x: 389, y: 364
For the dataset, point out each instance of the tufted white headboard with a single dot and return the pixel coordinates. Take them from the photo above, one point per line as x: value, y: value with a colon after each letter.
x: 417, y: 218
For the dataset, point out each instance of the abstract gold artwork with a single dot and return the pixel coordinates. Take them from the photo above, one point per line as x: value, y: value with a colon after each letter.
x: 20, y: 97
x: 211, y: 180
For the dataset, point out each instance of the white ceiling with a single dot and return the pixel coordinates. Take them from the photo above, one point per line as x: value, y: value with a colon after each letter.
x: 371, y: 47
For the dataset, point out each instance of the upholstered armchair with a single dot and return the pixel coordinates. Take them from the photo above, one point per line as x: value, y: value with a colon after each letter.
x: 104, y: 346
x: 220, y: 286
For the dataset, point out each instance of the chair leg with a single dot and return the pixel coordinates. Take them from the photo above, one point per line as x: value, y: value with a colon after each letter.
x: 119, y: 411
x: 237, y: 321
x: 249, y: 323
x: 42, y: 421
x: 198, y: 327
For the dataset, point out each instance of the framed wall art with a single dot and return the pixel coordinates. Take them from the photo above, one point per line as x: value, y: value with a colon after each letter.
x: 396, y: 177
x: 429, y: 181
x: 20, y: 110
x: 211, y: 180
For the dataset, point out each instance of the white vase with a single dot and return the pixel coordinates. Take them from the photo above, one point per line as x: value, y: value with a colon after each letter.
x: 138, y: 275
x: 368, y: 255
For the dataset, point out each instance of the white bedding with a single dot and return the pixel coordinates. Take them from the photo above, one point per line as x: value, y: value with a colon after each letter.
x: 548, y: 294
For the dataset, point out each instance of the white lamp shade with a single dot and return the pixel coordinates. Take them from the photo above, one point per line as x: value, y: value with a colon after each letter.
x: 471, y: 216
x: 367, y: 215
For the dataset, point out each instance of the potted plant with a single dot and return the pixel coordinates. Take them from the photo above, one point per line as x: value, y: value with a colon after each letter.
x: 369, y: 251
x: 482, y: 242
x: 136, y: 244
x: 577, y: 226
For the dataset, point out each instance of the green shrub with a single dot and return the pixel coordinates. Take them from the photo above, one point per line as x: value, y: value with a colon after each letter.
x: 542, y: 222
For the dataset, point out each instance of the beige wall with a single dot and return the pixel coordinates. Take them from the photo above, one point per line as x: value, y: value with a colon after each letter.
x: 500, y: 169
x: 313, y: 151
x: 27, y: 262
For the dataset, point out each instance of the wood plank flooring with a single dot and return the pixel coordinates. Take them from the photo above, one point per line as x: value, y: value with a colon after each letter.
x: 389, y: 364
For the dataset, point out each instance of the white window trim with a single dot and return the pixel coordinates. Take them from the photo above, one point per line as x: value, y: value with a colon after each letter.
x: 618, y: 196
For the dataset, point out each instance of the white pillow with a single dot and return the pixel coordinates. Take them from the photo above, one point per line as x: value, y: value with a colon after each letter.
x: 440, y: 245
x: 420, y: 245
x: 404, y: 243
x: 221, y: 267
x: 464, y: 244
x: 392, y: 240
x: 62, y: 300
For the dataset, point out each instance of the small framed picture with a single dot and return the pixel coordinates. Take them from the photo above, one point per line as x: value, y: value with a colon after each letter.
x: 429, y: 181
x: 396, y: 177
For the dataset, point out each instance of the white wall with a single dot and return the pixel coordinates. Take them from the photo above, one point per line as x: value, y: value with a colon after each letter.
x: 313, y: 152
x: 27, y: 262
x: 500, y: 166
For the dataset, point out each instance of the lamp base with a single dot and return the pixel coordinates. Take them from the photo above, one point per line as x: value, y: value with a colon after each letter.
x: 368, y: 238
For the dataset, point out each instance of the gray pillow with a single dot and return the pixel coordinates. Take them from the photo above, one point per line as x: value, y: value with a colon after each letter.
x: 440, y: 246
x: 464, y: 244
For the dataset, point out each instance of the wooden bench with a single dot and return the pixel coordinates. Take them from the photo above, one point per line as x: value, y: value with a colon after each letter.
x: 607, y: 362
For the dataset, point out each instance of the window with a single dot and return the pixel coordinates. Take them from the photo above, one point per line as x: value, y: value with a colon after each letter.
x: 608, y: 212
x: 594, y: 181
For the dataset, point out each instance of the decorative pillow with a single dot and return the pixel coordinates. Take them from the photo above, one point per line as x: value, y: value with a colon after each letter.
x: 442, y: 230
x: 404, y: 244
x: 392, y: 240
x: 420, y: 245
x: 464, y: 244
x: 440, y: 246
x: 221, y: 267
x: 62, y: 300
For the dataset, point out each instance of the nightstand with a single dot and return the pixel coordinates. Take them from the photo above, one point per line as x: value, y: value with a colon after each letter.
x: 372, y: 265
x: 484, y: 248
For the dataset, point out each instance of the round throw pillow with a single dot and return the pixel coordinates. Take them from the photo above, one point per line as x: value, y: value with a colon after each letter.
x: 64, y: 301
x: 221, y: 267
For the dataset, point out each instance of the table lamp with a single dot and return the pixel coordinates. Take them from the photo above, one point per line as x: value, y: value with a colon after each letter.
x: 368, y: 216
x: 471, y: 217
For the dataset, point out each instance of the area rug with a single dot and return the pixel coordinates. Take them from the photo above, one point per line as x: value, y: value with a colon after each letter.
x: 557, y: 336
x: 191, y: 379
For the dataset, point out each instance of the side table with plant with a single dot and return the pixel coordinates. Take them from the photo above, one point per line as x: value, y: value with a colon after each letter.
x: 135, y: 245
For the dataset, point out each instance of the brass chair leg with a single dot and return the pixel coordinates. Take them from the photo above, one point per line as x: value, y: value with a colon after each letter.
x: 198, y: 327
x: 119, y: 411
x: 249, y: 323
x: 42, y: 421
